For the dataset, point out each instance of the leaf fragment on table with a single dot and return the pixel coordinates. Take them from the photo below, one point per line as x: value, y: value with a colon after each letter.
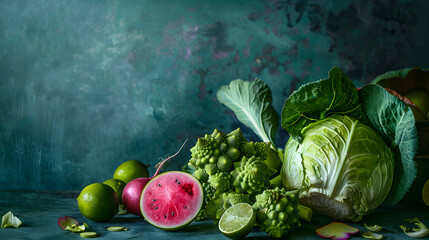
x: 121, y: 210
x: 76, y: 228
x: 371, y: 235
x: 336, y: 230
x: 9, y: 220
x: 373, y: 228
x: 88, y: 234
x: 116, y: 228
x: 65, y: 221
x: 419, y: 232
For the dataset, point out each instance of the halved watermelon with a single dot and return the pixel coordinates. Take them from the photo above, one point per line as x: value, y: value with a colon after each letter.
x: 171, y: 200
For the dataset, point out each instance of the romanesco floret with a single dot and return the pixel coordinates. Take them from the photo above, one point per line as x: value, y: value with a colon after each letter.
x: 213, y: 154
x: 279, y: 210
x: 211, y: 169
x: 223, y: 201
x: 214, y: 207
x: 201, y: 175
x: 235, y: 138
x: 205, y: 151
x: 252, y: 175
x: 220, y: 181
x: 261, y: 149
x: 209, y: 191
x: 214, y: 150
x: 224, y: 163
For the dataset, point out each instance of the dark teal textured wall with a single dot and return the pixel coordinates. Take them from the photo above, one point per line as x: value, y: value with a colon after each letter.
x: 86, y: 85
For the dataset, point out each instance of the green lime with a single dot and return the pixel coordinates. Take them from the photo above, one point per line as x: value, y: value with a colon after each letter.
x: 418, y: 114
x: 237, y: 221
x: 117, y: 185
x: 425, y: 193
x: 98, y: 202
x: 130, y: 170
x: 420, y: 97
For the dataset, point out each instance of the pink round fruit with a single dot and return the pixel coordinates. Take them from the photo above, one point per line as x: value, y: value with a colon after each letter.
x: 132, y: 193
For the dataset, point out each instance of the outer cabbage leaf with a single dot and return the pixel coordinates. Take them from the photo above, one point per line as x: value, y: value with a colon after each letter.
x: 405, y: 79
x: 394, y: 120
x: 342, y: 167
x: 251, y: 103
x: 316, y: 100
x: 402, y: 74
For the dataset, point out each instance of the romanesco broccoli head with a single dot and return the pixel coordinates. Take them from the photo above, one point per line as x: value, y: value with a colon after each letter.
x: 275, y: 229
x: 205, y: 151
x: 277, y: 211
x: 252, y: 175
x: 267, y: 198
x: 220, y: 181
x: 213, y: 153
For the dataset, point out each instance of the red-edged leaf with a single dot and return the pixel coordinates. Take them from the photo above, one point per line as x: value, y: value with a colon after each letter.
x: 65, y: 221
x: 337, y: 231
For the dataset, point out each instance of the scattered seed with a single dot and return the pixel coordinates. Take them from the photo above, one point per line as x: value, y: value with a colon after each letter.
x: 165, y: 216
x: 156, y: 208
x: 159, y: 185
x: 172, y: 213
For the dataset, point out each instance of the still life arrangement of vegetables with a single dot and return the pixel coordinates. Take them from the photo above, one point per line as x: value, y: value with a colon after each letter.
x: 350, y: 150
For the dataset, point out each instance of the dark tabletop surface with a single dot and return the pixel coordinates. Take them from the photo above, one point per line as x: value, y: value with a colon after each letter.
x: 39, y: 212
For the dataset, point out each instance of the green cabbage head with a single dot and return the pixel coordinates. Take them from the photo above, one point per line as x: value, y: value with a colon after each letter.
x: 343, y: 167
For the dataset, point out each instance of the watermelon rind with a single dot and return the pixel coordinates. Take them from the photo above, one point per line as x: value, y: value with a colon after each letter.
x: 197, y: 208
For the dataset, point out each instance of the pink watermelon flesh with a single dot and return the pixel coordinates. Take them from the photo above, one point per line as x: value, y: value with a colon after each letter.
x: 171, y: 200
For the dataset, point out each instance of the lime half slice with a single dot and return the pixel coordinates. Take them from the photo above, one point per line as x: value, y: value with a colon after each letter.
x: 237, y: 221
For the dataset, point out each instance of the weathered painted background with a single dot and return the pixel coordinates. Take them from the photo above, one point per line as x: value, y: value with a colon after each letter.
x: 86, y: 85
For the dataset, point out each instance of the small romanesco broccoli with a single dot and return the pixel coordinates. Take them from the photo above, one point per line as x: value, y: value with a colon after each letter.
x: 278, y: 211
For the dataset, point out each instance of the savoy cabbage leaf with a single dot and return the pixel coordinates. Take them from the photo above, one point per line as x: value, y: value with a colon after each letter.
x: 320, y: 99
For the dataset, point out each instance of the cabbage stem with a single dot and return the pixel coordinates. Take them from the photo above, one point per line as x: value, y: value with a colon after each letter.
x: 305, y: 213
x: 277, y: 181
